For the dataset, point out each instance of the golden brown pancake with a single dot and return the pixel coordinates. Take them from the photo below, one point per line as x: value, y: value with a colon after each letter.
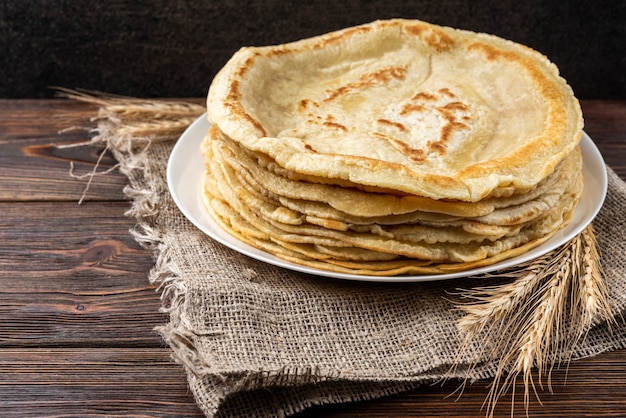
x: 427, y: 110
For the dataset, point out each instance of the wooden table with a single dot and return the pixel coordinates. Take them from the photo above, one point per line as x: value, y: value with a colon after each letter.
x: 77, y: 313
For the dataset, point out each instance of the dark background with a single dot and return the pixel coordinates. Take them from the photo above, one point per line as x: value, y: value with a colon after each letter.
x: 174, y: 48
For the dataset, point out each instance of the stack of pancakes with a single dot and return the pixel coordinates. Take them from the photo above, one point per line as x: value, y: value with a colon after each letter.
x: 396, y: 147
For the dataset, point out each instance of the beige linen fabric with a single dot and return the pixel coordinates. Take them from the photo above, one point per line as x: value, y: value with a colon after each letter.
x: 257, y: 340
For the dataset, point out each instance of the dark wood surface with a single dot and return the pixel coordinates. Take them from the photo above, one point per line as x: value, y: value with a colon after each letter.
x: 77, y: 313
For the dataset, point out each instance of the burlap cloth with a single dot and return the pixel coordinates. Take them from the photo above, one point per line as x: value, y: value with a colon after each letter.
x: 258, y: 340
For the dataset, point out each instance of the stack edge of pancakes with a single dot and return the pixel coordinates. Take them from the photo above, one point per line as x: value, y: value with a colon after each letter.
x: 392, y: 148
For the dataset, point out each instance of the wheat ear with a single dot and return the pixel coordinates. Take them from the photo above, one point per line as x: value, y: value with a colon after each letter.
x: 130, y: 124
x: 535, y: 321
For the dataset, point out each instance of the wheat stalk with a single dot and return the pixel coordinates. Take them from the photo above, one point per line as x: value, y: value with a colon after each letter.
x: 130, y: 119
x: 131, y: 107
x: 160, y: 130
x: 534, y: 321
x: 592, y: 292
x: 130, y: 124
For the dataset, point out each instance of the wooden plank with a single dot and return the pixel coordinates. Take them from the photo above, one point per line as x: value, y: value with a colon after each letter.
x: 605, y: 119
x: 106, y: 317
x: 33, y: 167
x: 593, y: 387
x: 605, y: 123
x: 31, y: 118
x: 90, y: 382
x: 74, y: 276
x: 121, y: 381
x: 64, y: 237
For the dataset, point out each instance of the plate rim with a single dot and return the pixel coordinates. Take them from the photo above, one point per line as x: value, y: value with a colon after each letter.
x: 195, y: 133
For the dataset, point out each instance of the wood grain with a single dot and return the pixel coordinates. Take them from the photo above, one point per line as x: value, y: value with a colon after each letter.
x: 578, y: 392
x: 34, y: 167
x: 605, y: 123
x: 73, y: 276
x: 93, y: 382
x: 77, y: 314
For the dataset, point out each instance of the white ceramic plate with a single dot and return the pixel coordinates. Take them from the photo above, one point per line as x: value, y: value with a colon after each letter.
x: 185, y: 168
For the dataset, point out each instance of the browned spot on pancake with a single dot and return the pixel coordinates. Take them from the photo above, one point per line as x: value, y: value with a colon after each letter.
x: 237, y: 110
x: 446, y: 114
x: 436, y: 146
x: 446, y: 92
x: 415, y: 29
x: 335, y: 125
x: 396, y: 125
x: 431, y: 36
x: 241, y: 71
x: 449, y: 128
x: 233, y: 92
x: 491, y: 53
x: 306, y: 104
x: 375, y: 78
x: 452, y: 125
x: 232, y: 100
x: 454, y: 106
x: 314, y: 119
x: 278, y: 51
x: 335, y: 38
x: 331, y: 122
x: 415, y: 155
x: 438, y: 40
x: 425, y: 97
x: 303, y: 104
x: 410, y: 108
x: 308, y: 147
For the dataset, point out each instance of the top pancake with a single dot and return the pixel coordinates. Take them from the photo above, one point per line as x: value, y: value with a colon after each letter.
x: 401, y: 105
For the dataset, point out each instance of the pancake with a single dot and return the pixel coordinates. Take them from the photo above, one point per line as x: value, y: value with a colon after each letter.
x: 421, y: 109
